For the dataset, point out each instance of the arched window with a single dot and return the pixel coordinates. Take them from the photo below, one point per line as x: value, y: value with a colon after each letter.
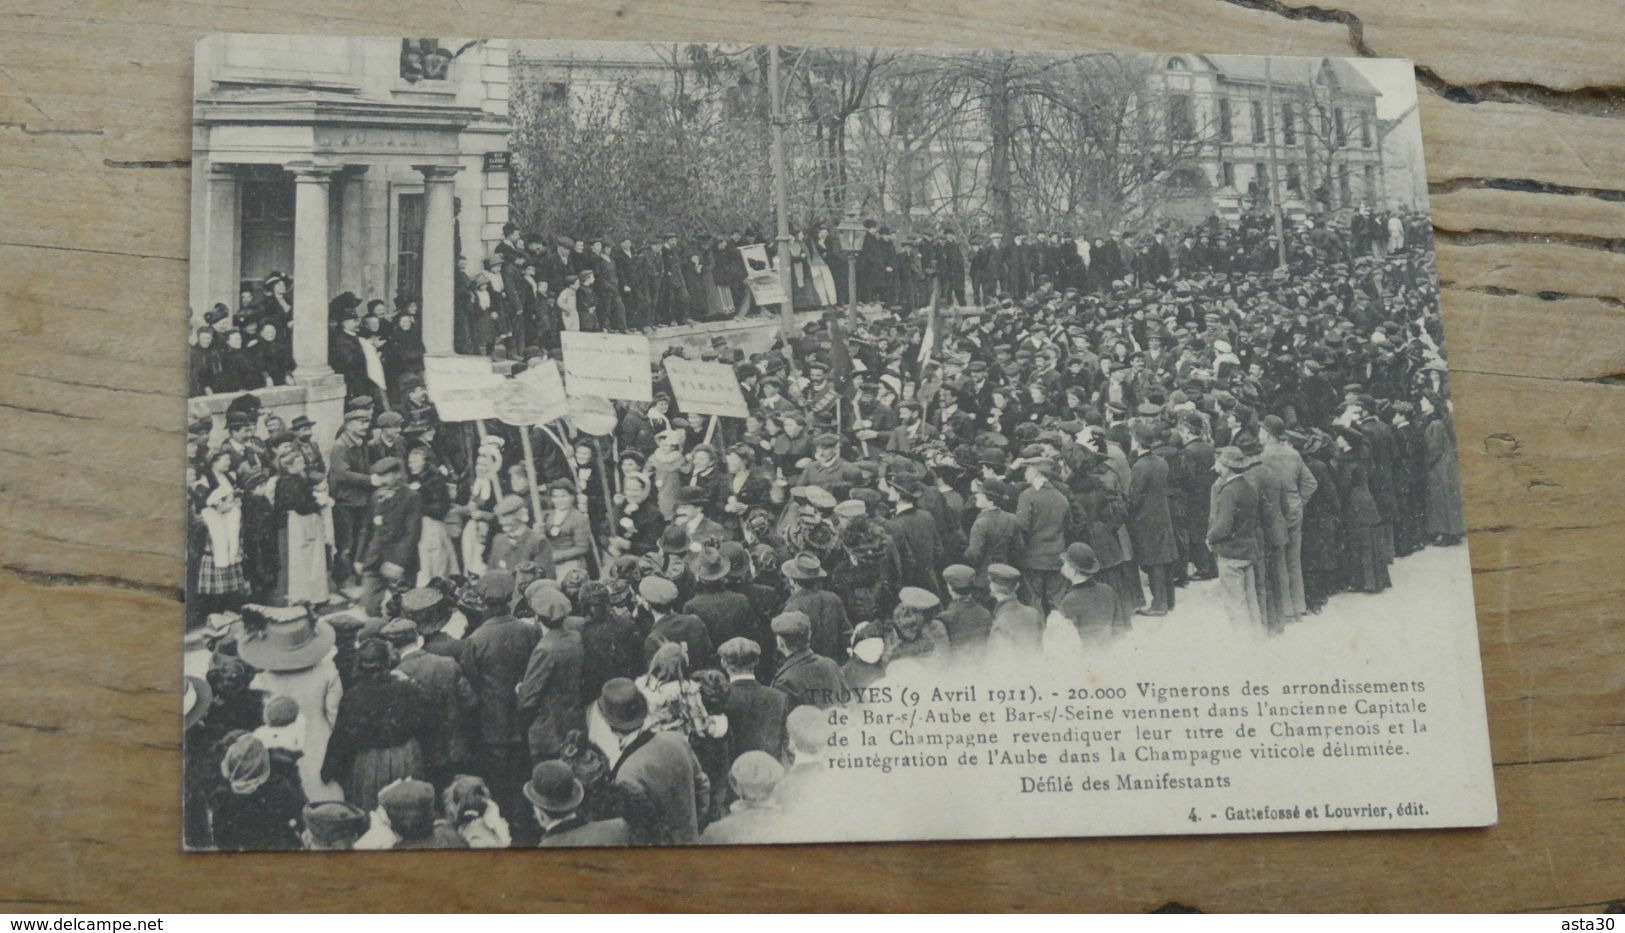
x: 1176, y: 64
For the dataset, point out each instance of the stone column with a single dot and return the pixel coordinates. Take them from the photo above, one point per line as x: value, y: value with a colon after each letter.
x: 310, y: 234
x: 224, y: 241
x: 439, y: 305
x: 354, y: 235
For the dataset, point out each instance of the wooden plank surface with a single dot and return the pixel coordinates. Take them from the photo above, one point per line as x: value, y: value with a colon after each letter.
x: 1524, y: 125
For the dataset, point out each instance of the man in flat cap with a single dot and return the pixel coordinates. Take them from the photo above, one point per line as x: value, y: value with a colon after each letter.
x: 1044, y: 517
x: 1233, y: 537
x: 755, y: 815
x: 755, y: 711
x: 394, y: 522
x: 828, y: 468
x: 453, y: 698
x: 350, y: 483
x: 807, y: 678
x: 498, y: 653
x: 333, y: 825
x: 516, y: 542
x: 660, y: 596
x: 966, y: 620
x: 1015, y: 629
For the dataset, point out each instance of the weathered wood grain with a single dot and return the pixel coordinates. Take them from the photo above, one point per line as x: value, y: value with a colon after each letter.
x: 1524, y: 132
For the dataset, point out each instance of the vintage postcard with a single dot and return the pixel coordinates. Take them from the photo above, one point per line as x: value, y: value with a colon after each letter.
x: 676, y: 443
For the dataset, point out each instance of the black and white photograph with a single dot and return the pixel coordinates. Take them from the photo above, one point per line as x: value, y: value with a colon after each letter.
x: 666, y: 443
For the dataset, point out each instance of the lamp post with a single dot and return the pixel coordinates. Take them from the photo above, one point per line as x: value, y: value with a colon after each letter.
x: 849, y: 232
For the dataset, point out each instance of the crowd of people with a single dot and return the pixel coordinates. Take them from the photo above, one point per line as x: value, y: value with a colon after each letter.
x: 403, y: 653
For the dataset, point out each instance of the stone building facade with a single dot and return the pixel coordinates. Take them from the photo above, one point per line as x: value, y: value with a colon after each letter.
x: 351, y: 164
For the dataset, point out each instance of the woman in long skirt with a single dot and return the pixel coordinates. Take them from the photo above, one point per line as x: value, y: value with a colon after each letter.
x: 383, y: 724
x: 1365, y: 567
x: 304, y: 532
x: 1445, y: 522
x: 828, y: 268
x: 802, y: 289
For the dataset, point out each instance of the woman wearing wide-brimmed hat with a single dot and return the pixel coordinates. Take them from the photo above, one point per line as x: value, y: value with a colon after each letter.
x: 384, y: 722
x: 293, y: 652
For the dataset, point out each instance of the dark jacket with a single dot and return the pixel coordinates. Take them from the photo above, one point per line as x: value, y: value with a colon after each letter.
x: 549, y: 696
x: 688, y: 629
x: 1092, y: 607
x: 995, y: 538
x: 810, y: 680
x: 831, y: 630
x: 725, y: 614
x: 661, y: 782
x: 1232, y: 526
x: 610, y: 648
x: 380, y: 713
x: 1043, y: 515
x: 268, y: 818
x: 918, y: 547
x: 756, y: 716
x: 1150, y: 524
x: 967, y: 622
x: 576, y: 832
x: 498, y: 653
x: 393, y: 526
x: 454, y: 701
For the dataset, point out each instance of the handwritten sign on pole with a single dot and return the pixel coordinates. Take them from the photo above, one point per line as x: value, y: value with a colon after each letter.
x: 706, y: 388
x: 762, y: 275
x: 608, y: 365
x: 462, y: 388
x: 535, y: 396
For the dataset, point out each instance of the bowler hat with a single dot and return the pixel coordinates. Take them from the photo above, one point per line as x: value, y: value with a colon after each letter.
x: 1082, y: 558
x: 301, y: 421
x: 691, y: 495
x: 553, y: 787
x: 622, y: 704
x: 674, y: 540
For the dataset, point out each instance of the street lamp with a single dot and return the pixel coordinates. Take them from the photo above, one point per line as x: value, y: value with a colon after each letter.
x: 849, y: 233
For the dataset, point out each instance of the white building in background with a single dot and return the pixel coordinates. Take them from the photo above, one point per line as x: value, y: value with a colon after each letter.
x: 350, y: 164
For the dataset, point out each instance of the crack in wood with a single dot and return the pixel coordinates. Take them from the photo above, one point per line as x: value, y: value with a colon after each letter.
x: 62, y: 578
x: 1523, y: 185
x: 1501, y: 291
x: 1481, y: 236
x: 147, y: 163
x: 29, y: 129
x: 1588, y: 101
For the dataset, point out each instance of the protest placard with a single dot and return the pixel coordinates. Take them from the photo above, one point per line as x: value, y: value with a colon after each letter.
x: 610, y: 365
x: 765, y: 286
x: 706, y: 388
x: 462, y: 388
x: 535, y: 396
